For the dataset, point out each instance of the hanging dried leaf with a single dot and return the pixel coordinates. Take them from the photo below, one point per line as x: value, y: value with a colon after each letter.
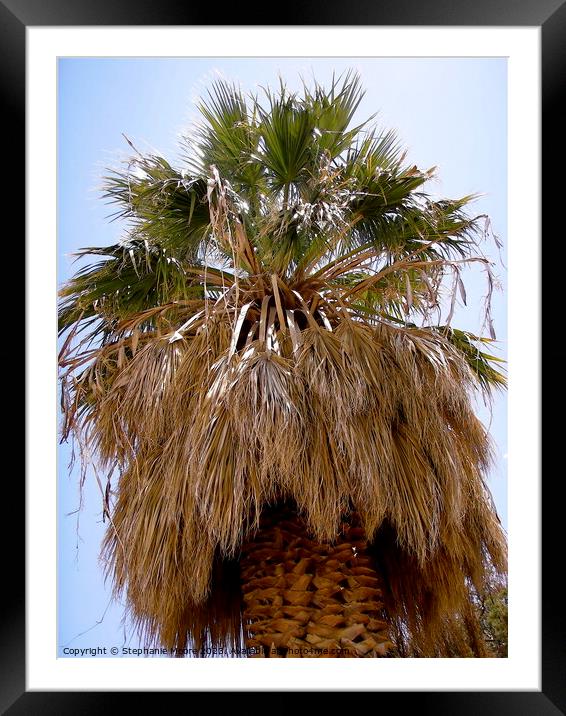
x: 462, y: 289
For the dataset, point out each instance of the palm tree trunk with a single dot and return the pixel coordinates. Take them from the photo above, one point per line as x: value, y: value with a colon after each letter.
x: 307, y: 599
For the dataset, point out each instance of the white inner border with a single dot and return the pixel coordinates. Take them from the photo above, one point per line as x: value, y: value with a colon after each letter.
x: 521, y: 670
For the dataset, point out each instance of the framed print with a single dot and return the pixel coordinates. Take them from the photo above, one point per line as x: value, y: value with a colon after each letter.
x: 47, y: 80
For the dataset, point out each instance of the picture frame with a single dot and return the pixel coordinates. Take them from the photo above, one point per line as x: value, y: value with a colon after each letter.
x: 551, y: 17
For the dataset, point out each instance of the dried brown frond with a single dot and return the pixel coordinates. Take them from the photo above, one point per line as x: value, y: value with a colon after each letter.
x: 372, y: 419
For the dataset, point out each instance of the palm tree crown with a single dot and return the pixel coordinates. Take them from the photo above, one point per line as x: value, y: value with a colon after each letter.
x: 265, y: 331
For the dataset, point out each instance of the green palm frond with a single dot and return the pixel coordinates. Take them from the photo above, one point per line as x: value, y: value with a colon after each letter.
x: 227, y: 138
x: 486, y: 367
x: 165, y: 207
x: 333, y: 110
x: 286, y: 132
x: 136, y: 276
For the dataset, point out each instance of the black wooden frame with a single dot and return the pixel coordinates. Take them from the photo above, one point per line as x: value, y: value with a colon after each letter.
x: 550, y: 16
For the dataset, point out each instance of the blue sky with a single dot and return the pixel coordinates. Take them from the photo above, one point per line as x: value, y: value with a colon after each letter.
x: 449, y: 113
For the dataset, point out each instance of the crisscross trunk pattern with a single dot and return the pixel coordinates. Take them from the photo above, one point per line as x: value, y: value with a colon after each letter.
x: 307, y: 599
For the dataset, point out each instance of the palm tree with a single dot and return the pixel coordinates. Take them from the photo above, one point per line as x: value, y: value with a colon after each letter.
x: 300, y: 470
